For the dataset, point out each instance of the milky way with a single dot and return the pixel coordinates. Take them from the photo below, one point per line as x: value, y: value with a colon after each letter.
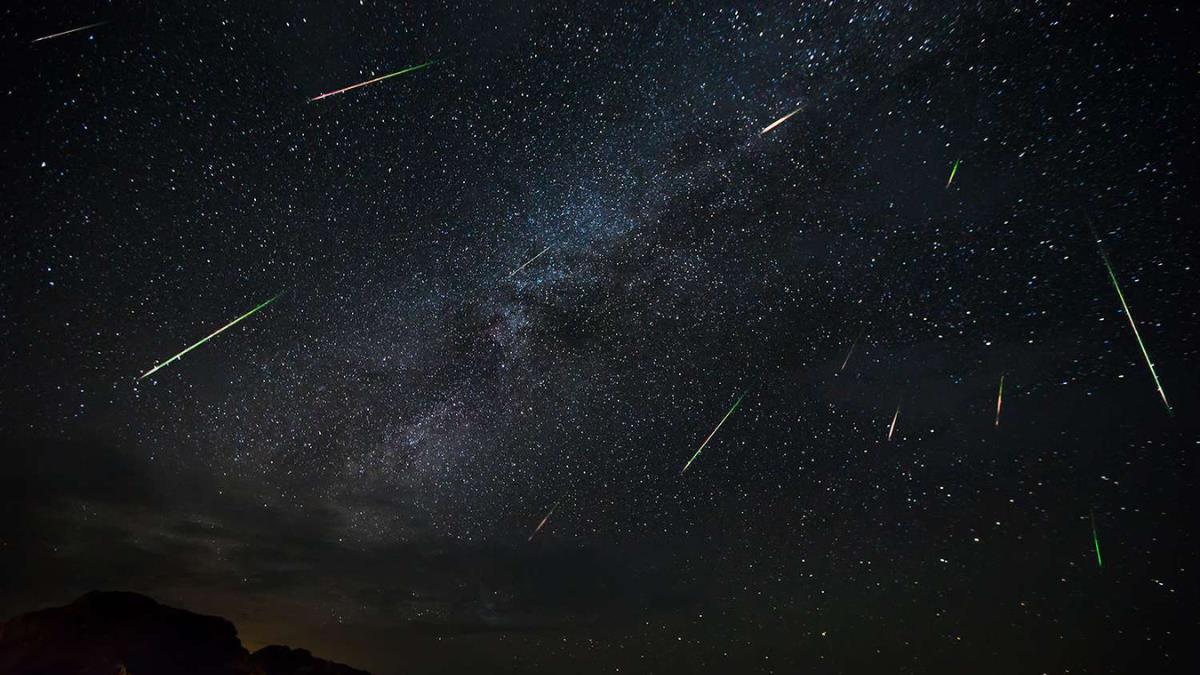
x: 358, y: 469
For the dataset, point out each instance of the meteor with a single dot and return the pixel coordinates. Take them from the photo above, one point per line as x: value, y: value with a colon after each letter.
x: 215, y: 333
x: 372, y: 81
x: 714, y: 433
x: 1096, y: 541
x: 852, y: 346
x: 779, y: 121
x: 1138, y: 336
x: 892, y: 428
x: 510, y: 274
x: 543, y: 523
x: 999, y: 400
x: 953, y: 171
x: 68, y: 32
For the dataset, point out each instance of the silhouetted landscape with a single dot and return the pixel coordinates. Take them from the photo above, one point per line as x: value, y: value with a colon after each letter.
x: 103, y: 633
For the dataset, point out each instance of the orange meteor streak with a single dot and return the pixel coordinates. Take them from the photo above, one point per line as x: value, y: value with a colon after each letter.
x: 543, y: 523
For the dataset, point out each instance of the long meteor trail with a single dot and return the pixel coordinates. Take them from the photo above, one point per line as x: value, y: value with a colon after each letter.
x: 852, y: 346
x: 1096, y: 541
x: 543, y: 523
x: 953, y: 171
x: 779, y: 121
x: 68, y: 32
x: 999, y: 400
x: 372, y: 81
x: 510, y: 274
x: 714, y: 433
x: 892, y: 429
x: 215, y: 333
x: 1141, y: 345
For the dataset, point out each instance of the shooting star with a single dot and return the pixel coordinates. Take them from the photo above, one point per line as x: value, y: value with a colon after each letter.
x: 714, y: 433
x: 543, y: 523
x: 1138, y: 336
x: 1096, y: 541
x: 215, y: 333
x: 892, y: 429
x: 953, y: 171
x: 852, y: 346
x: 510, y: 274
x: 372, y: 81
x: 68, y: 32
x: 999, y: 400
x: 779, y: 121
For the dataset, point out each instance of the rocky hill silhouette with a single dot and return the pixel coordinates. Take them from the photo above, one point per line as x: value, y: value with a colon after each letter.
x: 112, y: 633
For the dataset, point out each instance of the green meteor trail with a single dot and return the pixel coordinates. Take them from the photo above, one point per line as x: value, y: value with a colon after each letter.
x: 372, y: 81
x: 1138, y: 336
x: 1096, y: 541
x: 953, y: 171
x: 714, y: 433
x: 215, y: 333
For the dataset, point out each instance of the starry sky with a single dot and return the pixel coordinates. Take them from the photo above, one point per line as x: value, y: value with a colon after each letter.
x: 357, y: 468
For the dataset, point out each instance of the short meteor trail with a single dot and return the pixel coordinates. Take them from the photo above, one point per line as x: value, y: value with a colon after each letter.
x: 714, y: 433
x: 1096, y: 541
x: 215, y: 333
x: 543, y: 523
x: 510, y: 274
x: 1138, y: 336
x: 953, y: 171
x: 779, y: 121
x: 892, y: 429
x: 372, y: 81
x: 68, y: 32
x: 852, y: 346
x: 999, y: 400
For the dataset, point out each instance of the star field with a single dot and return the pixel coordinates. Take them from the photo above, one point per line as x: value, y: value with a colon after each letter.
x: 358, y: 467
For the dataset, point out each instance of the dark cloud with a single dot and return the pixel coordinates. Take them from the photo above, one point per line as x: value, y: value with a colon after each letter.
x: 92, y: 516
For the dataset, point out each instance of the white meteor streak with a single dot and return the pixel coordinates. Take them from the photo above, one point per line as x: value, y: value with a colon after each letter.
x: 779, y: 121
x: 852, y: 346
x: 892, y: 428
x: 68, y: 32
x: 510, y: 274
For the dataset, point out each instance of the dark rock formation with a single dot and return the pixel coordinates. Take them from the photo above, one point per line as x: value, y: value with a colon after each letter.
x: 126, y: 633
x: 277, y: 660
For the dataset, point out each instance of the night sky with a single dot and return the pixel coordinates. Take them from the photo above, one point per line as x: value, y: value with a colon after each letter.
x: 358, y: 467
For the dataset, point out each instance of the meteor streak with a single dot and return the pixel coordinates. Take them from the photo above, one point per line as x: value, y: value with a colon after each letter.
x: 1096, y: 541
x: 510, y: 274
x: 714, y: 433
x: 215, y: 333
x: 779, y: 121
x: 68, y: 32
x: 852, y: 346
x: 892, y: 428
x: 543, y: 523
x: 999, y: 400
x: 953, y: 171
x: 1138, y: 336
x: 372, y: 81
